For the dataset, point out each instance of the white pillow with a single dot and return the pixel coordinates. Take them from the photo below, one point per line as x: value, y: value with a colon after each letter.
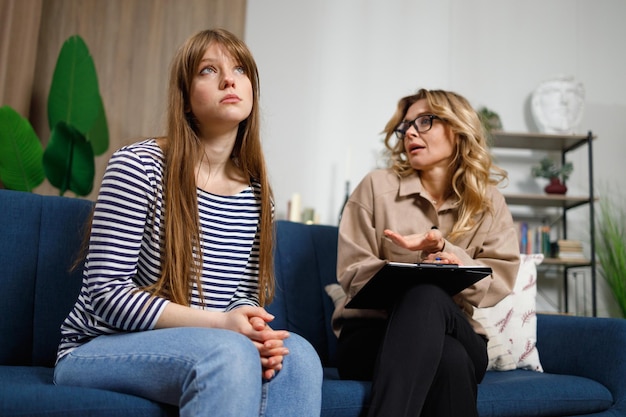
x: 512, y: 323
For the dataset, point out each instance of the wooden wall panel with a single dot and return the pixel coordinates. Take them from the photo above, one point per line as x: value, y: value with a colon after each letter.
x: 19, y: 30
x: 132, y: 43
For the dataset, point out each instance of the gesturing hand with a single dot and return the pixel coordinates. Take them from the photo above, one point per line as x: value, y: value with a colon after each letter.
x: 429, y: 242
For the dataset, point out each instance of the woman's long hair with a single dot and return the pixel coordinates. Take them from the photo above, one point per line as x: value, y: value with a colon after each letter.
x: 181, y: 259
x: 472, y: 167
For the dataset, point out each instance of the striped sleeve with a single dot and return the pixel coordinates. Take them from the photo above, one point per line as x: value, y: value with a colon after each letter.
x: 126, y: 198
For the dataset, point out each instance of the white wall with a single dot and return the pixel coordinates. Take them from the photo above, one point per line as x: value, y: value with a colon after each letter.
x: 333, y: 70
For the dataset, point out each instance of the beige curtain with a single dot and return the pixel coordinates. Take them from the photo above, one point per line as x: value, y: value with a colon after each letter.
x: 19, y: 31
x: 132, y: 43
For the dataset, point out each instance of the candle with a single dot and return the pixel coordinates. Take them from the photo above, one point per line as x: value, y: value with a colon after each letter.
x: 294, y: 208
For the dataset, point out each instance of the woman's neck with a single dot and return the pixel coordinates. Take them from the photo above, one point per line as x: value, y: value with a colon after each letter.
x: 218, y: 174
x: 437, y: 186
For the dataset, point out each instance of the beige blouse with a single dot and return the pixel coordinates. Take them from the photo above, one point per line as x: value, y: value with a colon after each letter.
x: 382, y: 201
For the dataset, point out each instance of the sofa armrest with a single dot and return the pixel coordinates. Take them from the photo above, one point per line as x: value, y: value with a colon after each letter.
x: 590, y: 347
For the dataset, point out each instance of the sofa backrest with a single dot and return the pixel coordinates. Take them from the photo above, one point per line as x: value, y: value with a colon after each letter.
x: 305, y: 262
x: 40, y: 237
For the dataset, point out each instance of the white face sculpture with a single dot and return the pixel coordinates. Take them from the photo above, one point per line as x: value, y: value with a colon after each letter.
x: 557, y: 105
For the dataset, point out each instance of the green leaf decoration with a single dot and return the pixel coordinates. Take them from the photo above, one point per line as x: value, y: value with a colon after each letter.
x: 99, y: 133
x: 74, y: 97
x: 68, y: 160
x: 20, y: 152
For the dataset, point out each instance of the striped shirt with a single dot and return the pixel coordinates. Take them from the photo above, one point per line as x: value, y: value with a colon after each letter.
x: 124, y: 250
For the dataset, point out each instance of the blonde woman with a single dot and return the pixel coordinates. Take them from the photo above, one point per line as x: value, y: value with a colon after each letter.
x: 437, y: 202
x: 179, y: 263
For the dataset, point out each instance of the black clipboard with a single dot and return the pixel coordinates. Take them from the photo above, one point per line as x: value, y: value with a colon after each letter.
x: 395, y: 278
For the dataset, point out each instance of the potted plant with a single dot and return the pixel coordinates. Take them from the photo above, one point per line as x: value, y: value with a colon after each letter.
x: 78, y: 130
x: 557, y: 175
x: 490, y: 121
x: 611, y: 248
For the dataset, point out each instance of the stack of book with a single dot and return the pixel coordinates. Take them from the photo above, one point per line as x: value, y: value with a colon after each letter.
x: 569, y: 249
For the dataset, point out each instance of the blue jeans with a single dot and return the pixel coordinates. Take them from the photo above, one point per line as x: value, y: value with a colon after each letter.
x: 203, y: 371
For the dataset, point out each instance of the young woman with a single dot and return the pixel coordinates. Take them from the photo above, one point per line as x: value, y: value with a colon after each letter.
x: 179, y: 261
x: 437, y: 202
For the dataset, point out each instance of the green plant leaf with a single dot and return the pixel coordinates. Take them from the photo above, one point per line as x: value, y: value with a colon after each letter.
x: 99, y: 133
x: 20, y: 152
x: 68, y: 160
x: 611, y: 248
x: 74, y: 97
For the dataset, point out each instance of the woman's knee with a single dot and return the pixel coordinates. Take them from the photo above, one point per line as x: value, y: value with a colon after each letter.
x: 455, y: 361
x: 226, y: 352
x: 296, y: 390
x: 303, y: 359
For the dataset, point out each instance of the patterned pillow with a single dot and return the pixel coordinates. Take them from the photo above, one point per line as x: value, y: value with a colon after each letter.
x: 512, y: 323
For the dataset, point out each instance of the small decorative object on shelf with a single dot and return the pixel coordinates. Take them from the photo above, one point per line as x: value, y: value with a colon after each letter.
x: 294, y: 209
x: 490, y: 119
x: 309, y: 216
x: 557, y: 105
x: 548, y: 169
x: 555, y: 187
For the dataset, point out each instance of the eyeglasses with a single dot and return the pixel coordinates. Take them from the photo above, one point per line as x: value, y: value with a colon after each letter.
x: 421, y: 124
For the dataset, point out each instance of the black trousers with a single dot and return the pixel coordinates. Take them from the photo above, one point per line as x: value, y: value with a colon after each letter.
x: 425, y: 360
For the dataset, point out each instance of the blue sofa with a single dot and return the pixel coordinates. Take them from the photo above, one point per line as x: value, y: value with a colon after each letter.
x: 584, y: 358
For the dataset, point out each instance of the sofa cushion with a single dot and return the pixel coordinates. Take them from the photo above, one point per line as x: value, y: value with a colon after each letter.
x: 526, y: 393
x: 29, y: 391
x: 499, y: 394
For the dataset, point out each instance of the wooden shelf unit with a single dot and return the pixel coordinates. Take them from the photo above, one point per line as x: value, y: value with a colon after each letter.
x: 562, y: 144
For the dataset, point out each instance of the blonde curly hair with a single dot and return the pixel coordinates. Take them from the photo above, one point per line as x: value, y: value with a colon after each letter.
x: 472, y: 167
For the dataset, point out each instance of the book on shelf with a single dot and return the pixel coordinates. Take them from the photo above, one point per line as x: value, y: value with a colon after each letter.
x: 570, y: 244
x: 534, y: 238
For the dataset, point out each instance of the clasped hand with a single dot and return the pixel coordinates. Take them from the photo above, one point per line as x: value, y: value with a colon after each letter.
x: 253, y: 323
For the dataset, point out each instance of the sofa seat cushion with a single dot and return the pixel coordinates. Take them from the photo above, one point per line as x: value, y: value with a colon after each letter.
x: 29, y: 391
x: 526, y: 393
x: 517, y: 393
